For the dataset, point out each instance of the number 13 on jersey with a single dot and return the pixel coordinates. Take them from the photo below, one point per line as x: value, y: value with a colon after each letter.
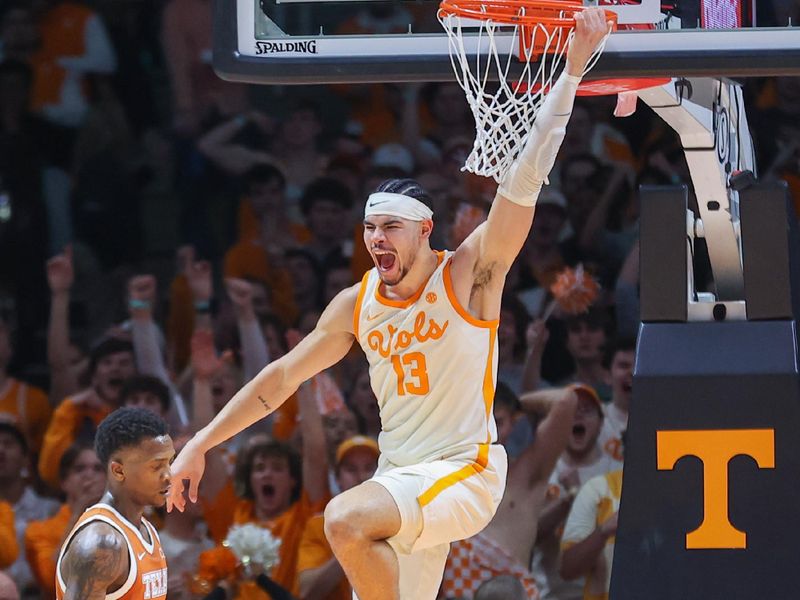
x: 412, y: 373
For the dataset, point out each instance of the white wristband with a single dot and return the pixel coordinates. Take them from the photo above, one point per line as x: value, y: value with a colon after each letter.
x: 524, y: 179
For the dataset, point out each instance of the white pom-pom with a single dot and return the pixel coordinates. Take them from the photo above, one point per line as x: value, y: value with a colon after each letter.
x: 253, y: 546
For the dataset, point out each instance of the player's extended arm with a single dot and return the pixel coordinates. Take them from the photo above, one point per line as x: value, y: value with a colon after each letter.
x: 511, y: 215
x: 97, y: 557
x: 266, y: 392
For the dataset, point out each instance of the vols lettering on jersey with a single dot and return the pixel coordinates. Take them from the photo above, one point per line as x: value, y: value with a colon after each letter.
x: 147, y: 577
x: 432, y: 367
x: 422, y: 332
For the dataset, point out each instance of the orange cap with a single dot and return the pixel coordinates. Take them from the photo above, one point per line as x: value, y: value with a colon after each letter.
x: 589, y: 392
x: 357, y: 441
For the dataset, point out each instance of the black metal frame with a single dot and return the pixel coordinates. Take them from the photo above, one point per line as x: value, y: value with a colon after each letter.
x: 690, y: 53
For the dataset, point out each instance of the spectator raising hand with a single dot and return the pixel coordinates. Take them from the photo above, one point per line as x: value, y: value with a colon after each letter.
x: 198, y: 273
x: 60, y: 277
x: 255, y: 354
x: 205, y: 361
x: 141, y: 296
x: 148, y: 340
x: 199, y: 276
x: 240, y: 293
x: 536, y: 337
x: 60, y: 273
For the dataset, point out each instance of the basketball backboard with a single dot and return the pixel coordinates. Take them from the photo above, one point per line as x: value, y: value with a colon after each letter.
x: 326, y: 41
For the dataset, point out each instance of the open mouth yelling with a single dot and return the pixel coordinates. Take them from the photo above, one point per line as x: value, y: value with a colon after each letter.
x: 578, y: 432
x: 385, y: 260
x: 268, y: 491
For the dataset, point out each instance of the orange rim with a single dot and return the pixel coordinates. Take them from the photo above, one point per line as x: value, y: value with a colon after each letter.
x: 605, y: 87
x: 609, y: 87
x: 555, y: 14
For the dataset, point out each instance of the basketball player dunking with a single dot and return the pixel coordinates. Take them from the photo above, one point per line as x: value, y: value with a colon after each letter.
x: 113, y: 552
x: 427, y: 322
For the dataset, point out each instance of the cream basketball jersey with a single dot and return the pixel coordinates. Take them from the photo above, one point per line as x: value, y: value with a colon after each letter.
x: 432, y: 368
x: 147, y: 574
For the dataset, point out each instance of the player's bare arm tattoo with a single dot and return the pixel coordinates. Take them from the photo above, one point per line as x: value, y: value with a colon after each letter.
x: 266, y: 406
x: 94, y: 560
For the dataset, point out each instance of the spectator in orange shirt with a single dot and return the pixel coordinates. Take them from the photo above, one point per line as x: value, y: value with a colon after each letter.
x: 262, y: 212
x: 319, y: 573
x: 26, y: 404
x: 8, y: 536
x: 83, y: 480
x: 278, y: 493
x: 111, y: 363
x: 265, y: 234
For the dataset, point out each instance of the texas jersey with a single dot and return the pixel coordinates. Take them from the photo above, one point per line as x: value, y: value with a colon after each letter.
x: 432, y: 367
x: 147, y: 574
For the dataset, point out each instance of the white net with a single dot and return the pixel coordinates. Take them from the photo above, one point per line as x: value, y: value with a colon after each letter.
x: 504, y: 103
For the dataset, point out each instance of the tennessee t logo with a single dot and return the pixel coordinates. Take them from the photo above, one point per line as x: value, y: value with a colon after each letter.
x: 715, y: 448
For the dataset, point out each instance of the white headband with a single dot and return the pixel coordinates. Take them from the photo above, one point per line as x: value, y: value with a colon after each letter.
x: 397, y: 205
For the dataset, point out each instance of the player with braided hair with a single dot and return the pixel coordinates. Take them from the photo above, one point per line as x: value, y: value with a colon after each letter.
x: 427, y: 322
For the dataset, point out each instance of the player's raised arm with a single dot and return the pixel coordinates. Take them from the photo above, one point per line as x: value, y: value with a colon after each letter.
x: 326, y: 345
x: 96, y: 560
x: 500, y: 239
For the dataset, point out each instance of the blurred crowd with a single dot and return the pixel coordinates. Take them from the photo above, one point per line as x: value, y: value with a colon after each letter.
x: 165, y: 234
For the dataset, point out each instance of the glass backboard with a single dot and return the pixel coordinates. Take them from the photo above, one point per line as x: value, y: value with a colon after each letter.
x: 326, y: 41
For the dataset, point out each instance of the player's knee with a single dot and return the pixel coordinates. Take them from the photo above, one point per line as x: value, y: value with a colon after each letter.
x: 342, y: 526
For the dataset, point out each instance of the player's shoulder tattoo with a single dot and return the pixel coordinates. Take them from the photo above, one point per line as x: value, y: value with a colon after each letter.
x: 97, y: 557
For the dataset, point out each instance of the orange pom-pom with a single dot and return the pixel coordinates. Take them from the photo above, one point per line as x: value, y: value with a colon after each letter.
x: 574, y: 290
x: 216, y: 564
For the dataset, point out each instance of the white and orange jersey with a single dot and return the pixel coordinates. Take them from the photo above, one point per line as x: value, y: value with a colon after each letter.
x: 147, y: 576
x: 433, y: 368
